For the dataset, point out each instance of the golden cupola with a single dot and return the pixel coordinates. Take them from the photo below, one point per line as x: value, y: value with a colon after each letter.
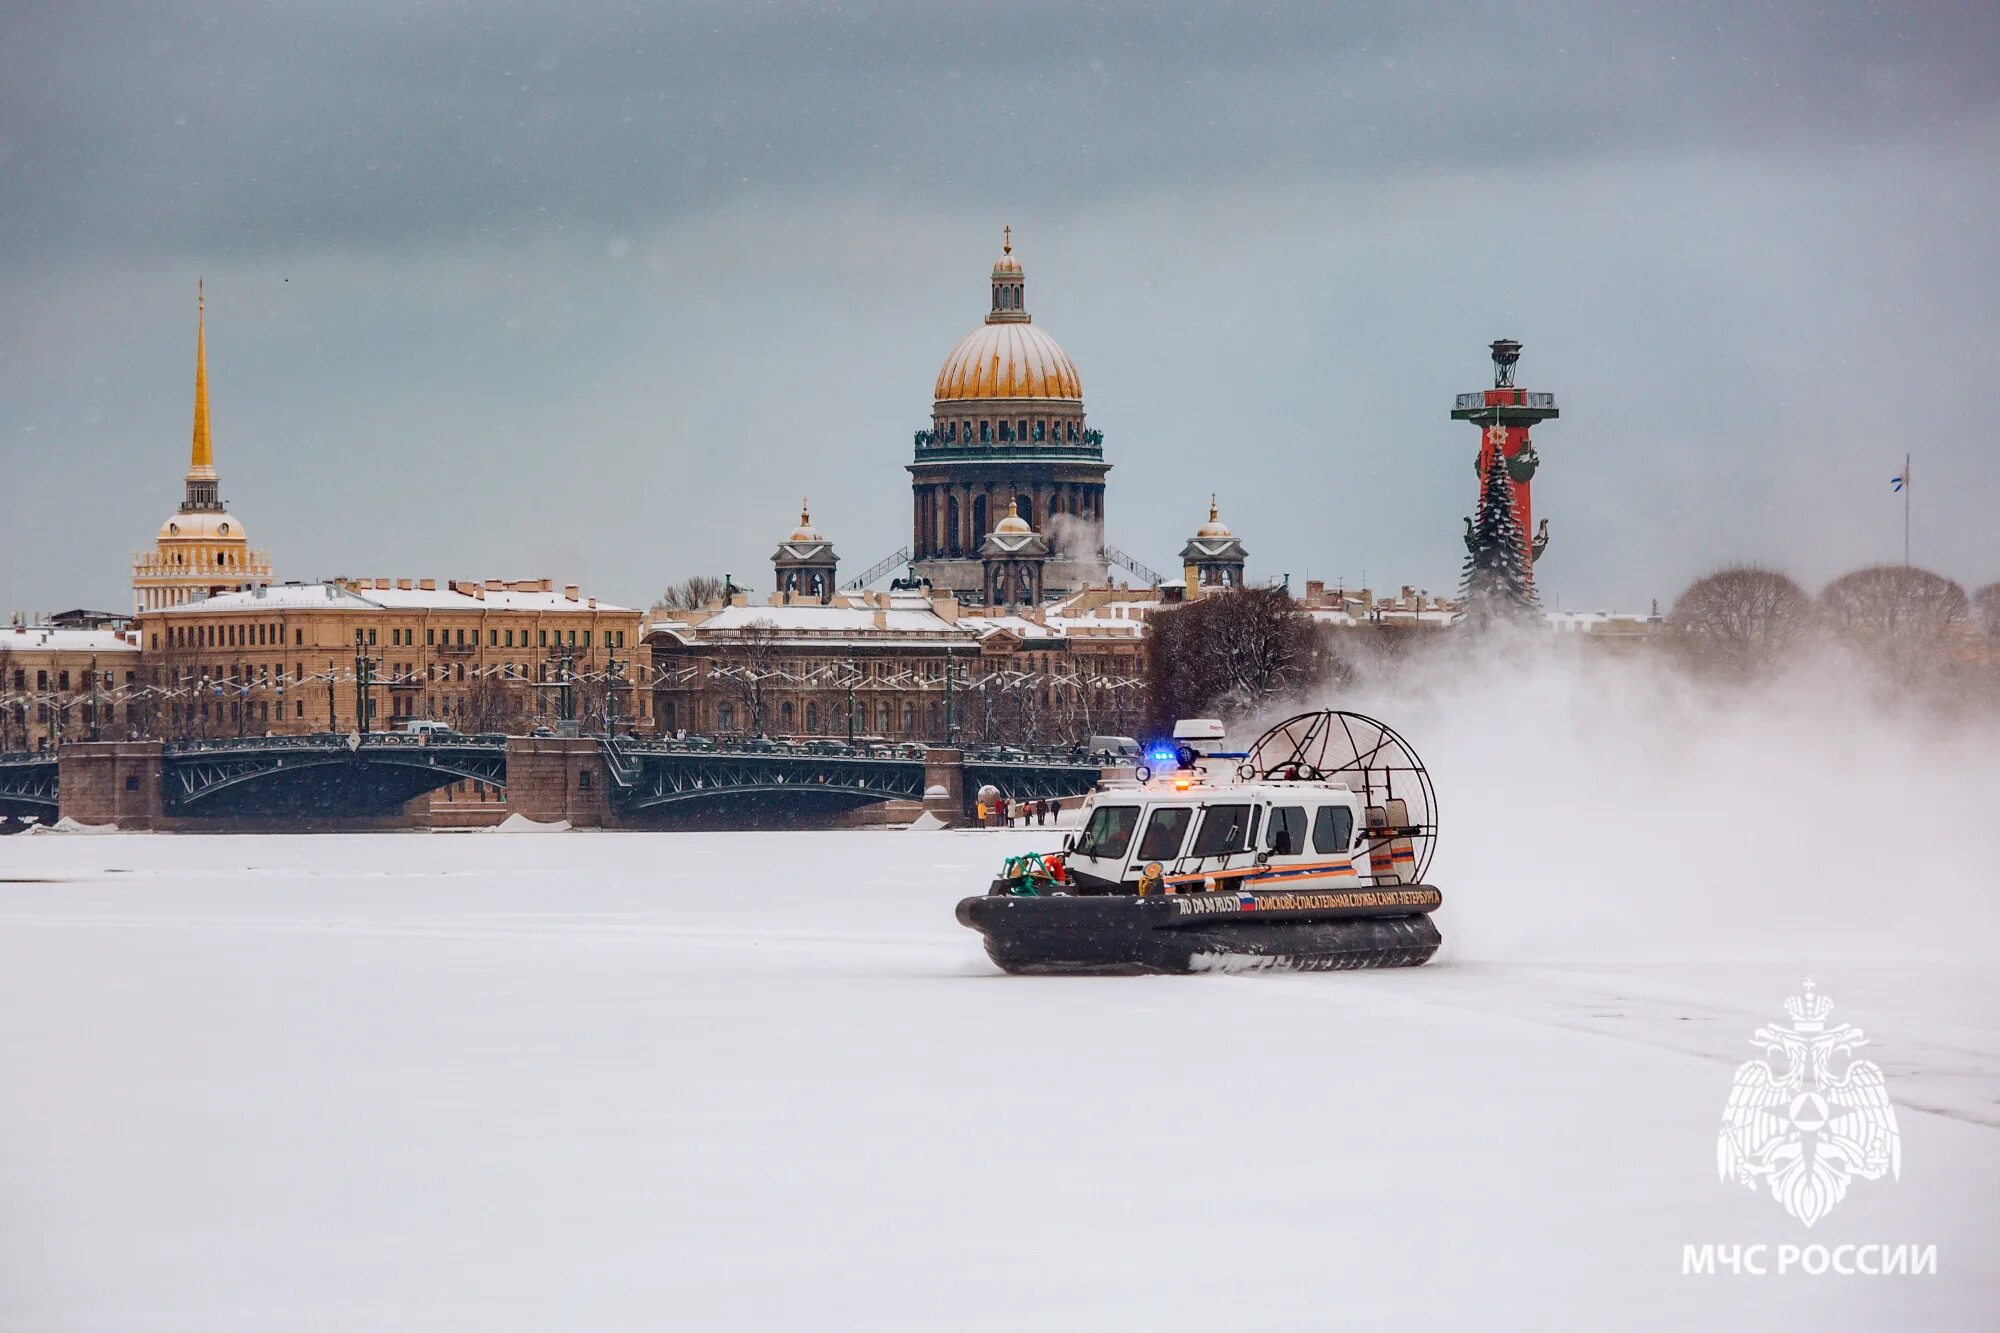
x: 1007, y: 356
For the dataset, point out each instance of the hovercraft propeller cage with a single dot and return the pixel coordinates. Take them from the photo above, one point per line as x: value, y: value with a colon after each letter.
x: 1374, y: 761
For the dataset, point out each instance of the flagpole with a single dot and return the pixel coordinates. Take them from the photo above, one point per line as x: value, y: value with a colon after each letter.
x: 1906, y: 511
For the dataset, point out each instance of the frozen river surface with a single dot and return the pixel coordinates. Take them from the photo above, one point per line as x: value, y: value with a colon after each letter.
x: 582, y: 1081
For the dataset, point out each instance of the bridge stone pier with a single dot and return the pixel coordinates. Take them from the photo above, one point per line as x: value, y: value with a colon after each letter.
x: 112, y: 782
x: 559, y: 778
x: 946, y: 769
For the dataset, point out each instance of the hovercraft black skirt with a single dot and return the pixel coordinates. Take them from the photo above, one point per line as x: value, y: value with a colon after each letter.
x: 1199, y: 932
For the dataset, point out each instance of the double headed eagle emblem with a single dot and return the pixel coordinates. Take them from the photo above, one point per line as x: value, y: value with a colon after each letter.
x: 1805, y: 1130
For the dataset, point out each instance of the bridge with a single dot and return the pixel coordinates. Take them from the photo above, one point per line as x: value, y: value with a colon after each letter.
x: 29, y: 785
x: 650, y: 775
x: 327, y: 778
x: 371, y: 776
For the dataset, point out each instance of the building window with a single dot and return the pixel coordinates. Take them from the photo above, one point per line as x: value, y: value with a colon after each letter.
x: 725, y: 717
x: 1006, y: 432
x: 371, y: 637
x: 431, y: 637
x: 586, y: 638
x: 986, y: 432
x: 572, y: 638
x: 542, y: 638
x: 1039, y: 427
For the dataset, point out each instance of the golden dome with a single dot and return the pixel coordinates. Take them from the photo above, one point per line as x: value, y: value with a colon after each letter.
x: 1008, y: 361
x: 202, y: 525
x: 805, y: 531
x: 1013, y: 525
x: 1007, y: 356
x: 1215, y: 527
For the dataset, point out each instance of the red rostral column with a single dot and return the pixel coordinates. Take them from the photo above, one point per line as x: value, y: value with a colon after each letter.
x: 1505, y: 415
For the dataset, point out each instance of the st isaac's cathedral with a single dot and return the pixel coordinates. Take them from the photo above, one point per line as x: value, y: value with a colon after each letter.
x: 1007, y: 429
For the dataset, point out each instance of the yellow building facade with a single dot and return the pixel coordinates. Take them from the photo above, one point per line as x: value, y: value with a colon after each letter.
x: 478, y: 656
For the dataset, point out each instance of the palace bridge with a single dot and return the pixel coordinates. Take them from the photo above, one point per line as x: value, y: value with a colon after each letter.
x: 331, y: 780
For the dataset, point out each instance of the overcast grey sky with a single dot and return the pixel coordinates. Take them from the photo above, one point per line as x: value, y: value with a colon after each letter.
x: 599, y: 291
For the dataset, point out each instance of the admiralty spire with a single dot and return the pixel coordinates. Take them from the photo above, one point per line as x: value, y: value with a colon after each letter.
x: 201, y: 549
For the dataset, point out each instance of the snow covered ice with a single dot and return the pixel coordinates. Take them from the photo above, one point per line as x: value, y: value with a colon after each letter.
x: 631, y: 1081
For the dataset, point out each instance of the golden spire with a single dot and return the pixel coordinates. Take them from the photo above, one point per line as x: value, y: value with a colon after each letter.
x: 1213, y: 513
x: 201, y: 463
x: 805, y: 512
x: 1006, y: 240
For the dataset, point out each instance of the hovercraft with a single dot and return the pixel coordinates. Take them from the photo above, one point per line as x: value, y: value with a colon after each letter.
x: 1307, y: 853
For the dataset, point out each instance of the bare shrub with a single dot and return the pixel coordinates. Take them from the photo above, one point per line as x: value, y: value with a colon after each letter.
x: 1741, y: 620
x: 1986, y: 607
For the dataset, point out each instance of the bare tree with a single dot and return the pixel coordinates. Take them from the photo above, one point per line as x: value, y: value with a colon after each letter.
x: 692, y: 593
x: 8, y: 701
x: 1228, y: 652
x: 1741, y: 620
x: 754, y: 668
x: 494, y: 703
x: 1904, y: 616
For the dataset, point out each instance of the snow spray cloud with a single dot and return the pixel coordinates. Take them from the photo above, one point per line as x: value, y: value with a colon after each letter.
x: 1595, y: 805
x: 1081, y: 540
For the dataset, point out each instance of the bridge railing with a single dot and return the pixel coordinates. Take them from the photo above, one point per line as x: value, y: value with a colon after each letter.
x: 28, y: 757
x: 328, y: 740
x: 753, y: 748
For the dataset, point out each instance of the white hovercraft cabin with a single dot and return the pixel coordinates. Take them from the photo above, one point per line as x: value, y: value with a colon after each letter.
x: 1210, y: 820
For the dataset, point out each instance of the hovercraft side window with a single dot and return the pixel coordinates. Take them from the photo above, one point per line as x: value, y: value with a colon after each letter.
x: 1226, y: 829
x: 1165, y: 832
x: 1333, y: 829
x: 1109, y: 832
x: 1286, y: 834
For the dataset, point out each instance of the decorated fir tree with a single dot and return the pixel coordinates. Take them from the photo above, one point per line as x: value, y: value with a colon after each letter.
x: 1495, y: 583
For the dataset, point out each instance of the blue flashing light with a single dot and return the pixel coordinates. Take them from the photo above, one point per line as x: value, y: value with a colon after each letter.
x: 1161, y: 758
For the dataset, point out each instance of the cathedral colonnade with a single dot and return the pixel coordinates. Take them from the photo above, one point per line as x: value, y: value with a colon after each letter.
x: 953, y: 517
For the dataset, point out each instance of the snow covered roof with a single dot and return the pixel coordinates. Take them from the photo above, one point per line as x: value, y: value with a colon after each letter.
x: 1586, y: 621
x: 48, y: 639
x: 905, y: 619
x: 343, y: 597
x: 1356, y: 613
